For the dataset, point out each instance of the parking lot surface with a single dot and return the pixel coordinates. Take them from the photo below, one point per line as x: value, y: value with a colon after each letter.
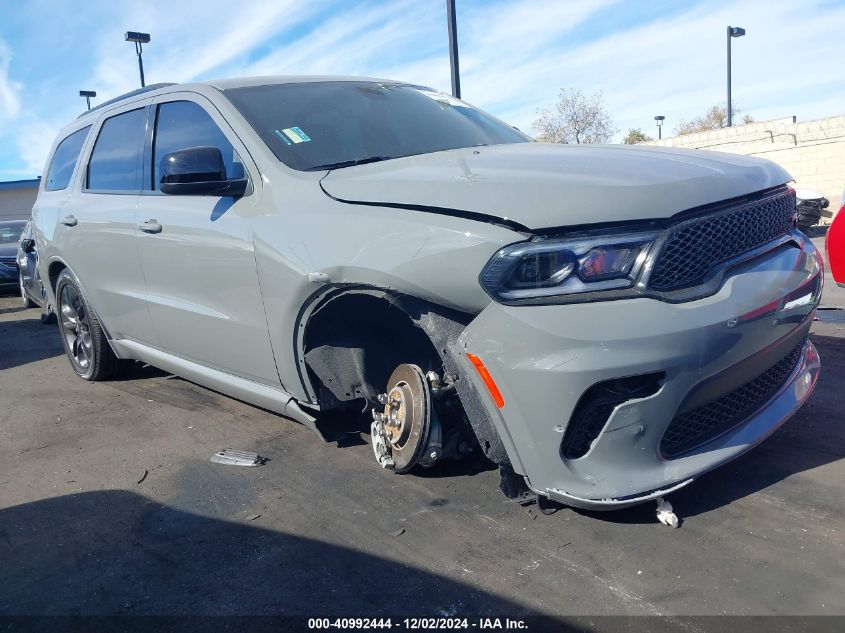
x: 109, y: 505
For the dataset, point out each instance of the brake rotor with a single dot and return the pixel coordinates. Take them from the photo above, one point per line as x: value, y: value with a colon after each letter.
x: 401, y: 433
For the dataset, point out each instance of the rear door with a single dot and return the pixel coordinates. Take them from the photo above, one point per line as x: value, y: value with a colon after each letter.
x: 100, y: 242
x: 199, y: 264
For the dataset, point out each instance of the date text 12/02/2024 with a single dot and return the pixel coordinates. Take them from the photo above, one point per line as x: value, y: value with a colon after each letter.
x: 417, y: 623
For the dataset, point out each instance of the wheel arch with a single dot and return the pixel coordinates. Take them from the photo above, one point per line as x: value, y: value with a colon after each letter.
x: 54, y: 269
x: 439, y: 327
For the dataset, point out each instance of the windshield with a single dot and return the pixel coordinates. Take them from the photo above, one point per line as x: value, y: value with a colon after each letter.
x: 334, y: 124
x: 10, y: 232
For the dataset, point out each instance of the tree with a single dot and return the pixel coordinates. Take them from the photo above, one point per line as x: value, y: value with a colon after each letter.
x: 635, y: 136
x: 575, y: 118
x: 714, y: 119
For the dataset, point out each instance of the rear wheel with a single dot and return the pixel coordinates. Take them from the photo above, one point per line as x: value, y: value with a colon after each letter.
x: 85, y: 341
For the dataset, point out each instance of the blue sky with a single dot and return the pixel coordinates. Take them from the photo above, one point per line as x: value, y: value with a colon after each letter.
x: 647, y: 56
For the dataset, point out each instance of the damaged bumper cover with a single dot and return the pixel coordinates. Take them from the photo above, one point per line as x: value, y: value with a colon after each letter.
x: 720, y: 350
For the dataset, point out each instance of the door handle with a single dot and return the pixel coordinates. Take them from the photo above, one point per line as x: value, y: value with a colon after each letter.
x: 150, y: 226
x: 68, y: 220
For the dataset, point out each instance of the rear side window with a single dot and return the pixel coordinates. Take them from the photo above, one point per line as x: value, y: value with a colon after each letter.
x: 184, y: 124
x: 64, y: 160
x: 115, y: 163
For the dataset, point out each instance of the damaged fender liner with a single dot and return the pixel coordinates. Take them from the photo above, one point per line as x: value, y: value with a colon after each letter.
x: 456, y: 213
x: 440, y: 326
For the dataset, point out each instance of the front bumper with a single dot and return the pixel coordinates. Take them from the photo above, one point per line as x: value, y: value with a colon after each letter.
x: 544, y: 358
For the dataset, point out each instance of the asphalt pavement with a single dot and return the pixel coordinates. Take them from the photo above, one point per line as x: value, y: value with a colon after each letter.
x: 109, y: 505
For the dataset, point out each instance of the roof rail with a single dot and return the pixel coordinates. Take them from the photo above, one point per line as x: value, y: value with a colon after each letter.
x: 134, y: 93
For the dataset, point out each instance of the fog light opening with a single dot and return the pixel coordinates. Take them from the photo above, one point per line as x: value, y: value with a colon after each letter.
x: 596, y: 405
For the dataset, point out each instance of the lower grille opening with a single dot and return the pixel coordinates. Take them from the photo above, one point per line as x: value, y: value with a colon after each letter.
x: 707, y: 422
x: 595, y: 406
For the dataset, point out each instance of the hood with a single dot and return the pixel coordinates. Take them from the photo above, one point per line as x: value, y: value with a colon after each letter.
x: 542, y: 185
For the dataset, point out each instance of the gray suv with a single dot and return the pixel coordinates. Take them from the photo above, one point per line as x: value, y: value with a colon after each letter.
x: 605, y: 323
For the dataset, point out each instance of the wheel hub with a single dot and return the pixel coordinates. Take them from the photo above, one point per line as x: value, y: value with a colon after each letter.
x: 405, y: 433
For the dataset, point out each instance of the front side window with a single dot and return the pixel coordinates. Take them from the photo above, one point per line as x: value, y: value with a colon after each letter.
x: 64, y: 160
x: 184, y: 124
x: 333, y: 124
x: 116, y: 160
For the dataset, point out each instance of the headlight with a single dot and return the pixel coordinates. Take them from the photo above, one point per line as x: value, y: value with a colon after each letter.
x: 552, y: 270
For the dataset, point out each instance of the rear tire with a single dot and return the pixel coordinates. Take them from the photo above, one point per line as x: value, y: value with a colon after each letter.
x: 84, y: 339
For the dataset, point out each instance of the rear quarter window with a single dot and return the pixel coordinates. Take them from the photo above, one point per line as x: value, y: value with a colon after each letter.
x: 64, y: 160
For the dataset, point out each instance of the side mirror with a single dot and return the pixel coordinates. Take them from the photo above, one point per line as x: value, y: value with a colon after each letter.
x: 198, y: 171
x: 28, y: 245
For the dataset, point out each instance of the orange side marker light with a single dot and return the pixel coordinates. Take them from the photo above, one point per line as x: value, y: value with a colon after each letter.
x: 488, y: 380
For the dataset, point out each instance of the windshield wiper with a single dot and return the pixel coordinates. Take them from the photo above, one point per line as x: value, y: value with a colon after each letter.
x: 350, y: 163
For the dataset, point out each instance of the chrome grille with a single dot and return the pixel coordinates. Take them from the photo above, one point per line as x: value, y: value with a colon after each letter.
x: 694, y: 247
x: 704, y: 423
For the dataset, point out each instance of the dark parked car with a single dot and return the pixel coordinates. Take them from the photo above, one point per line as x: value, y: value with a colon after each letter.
x: 32, y: 290
x: 10, y: 235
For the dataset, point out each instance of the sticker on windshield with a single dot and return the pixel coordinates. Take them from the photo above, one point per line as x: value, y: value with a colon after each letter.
x: 283, y: 137
x: 293, y: 135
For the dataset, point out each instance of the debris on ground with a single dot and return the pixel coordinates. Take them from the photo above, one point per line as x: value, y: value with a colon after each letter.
x: 232, y: 457
x: 665, y: 514
x: 144, y: 476
x: 37, y: 448
x: 252, y: 517
x: 398, y: 532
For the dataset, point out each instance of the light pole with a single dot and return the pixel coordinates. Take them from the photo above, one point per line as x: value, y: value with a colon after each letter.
x: 733, y: 31
x: 453, y: 49
x: 87, y: 94
x: 659, y: 118
x: 139, y: 39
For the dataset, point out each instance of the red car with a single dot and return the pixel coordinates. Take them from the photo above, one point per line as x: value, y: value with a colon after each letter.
x: 835, y: 245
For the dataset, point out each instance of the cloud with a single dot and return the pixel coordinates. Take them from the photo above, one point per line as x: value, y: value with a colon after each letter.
x: 352, y: 41
x: 189, y: 40
x: 10, y: 103
x: 663, y: 57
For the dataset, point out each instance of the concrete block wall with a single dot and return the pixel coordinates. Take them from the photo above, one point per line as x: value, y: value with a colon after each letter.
x: 812, y: 151
x: 17, y: 198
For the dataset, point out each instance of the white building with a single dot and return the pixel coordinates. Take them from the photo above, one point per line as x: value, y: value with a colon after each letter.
x: 17, y: 198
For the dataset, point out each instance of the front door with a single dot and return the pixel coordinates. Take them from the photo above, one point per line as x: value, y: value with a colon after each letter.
x: 197, y: 251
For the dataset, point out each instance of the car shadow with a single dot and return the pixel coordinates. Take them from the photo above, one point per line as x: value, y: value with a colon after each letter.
x: 119, y: 553
x: 813, y: 437
x: 12, y: 310
x: 24, y: 341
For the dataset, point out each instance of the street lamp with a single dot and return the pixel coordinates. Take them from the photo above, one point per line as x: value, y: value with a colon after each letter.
x: 659, y: 118
x: 733, y: 31
x: 87, y: 94
x: 139, y: 39
x: 453, y: 49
